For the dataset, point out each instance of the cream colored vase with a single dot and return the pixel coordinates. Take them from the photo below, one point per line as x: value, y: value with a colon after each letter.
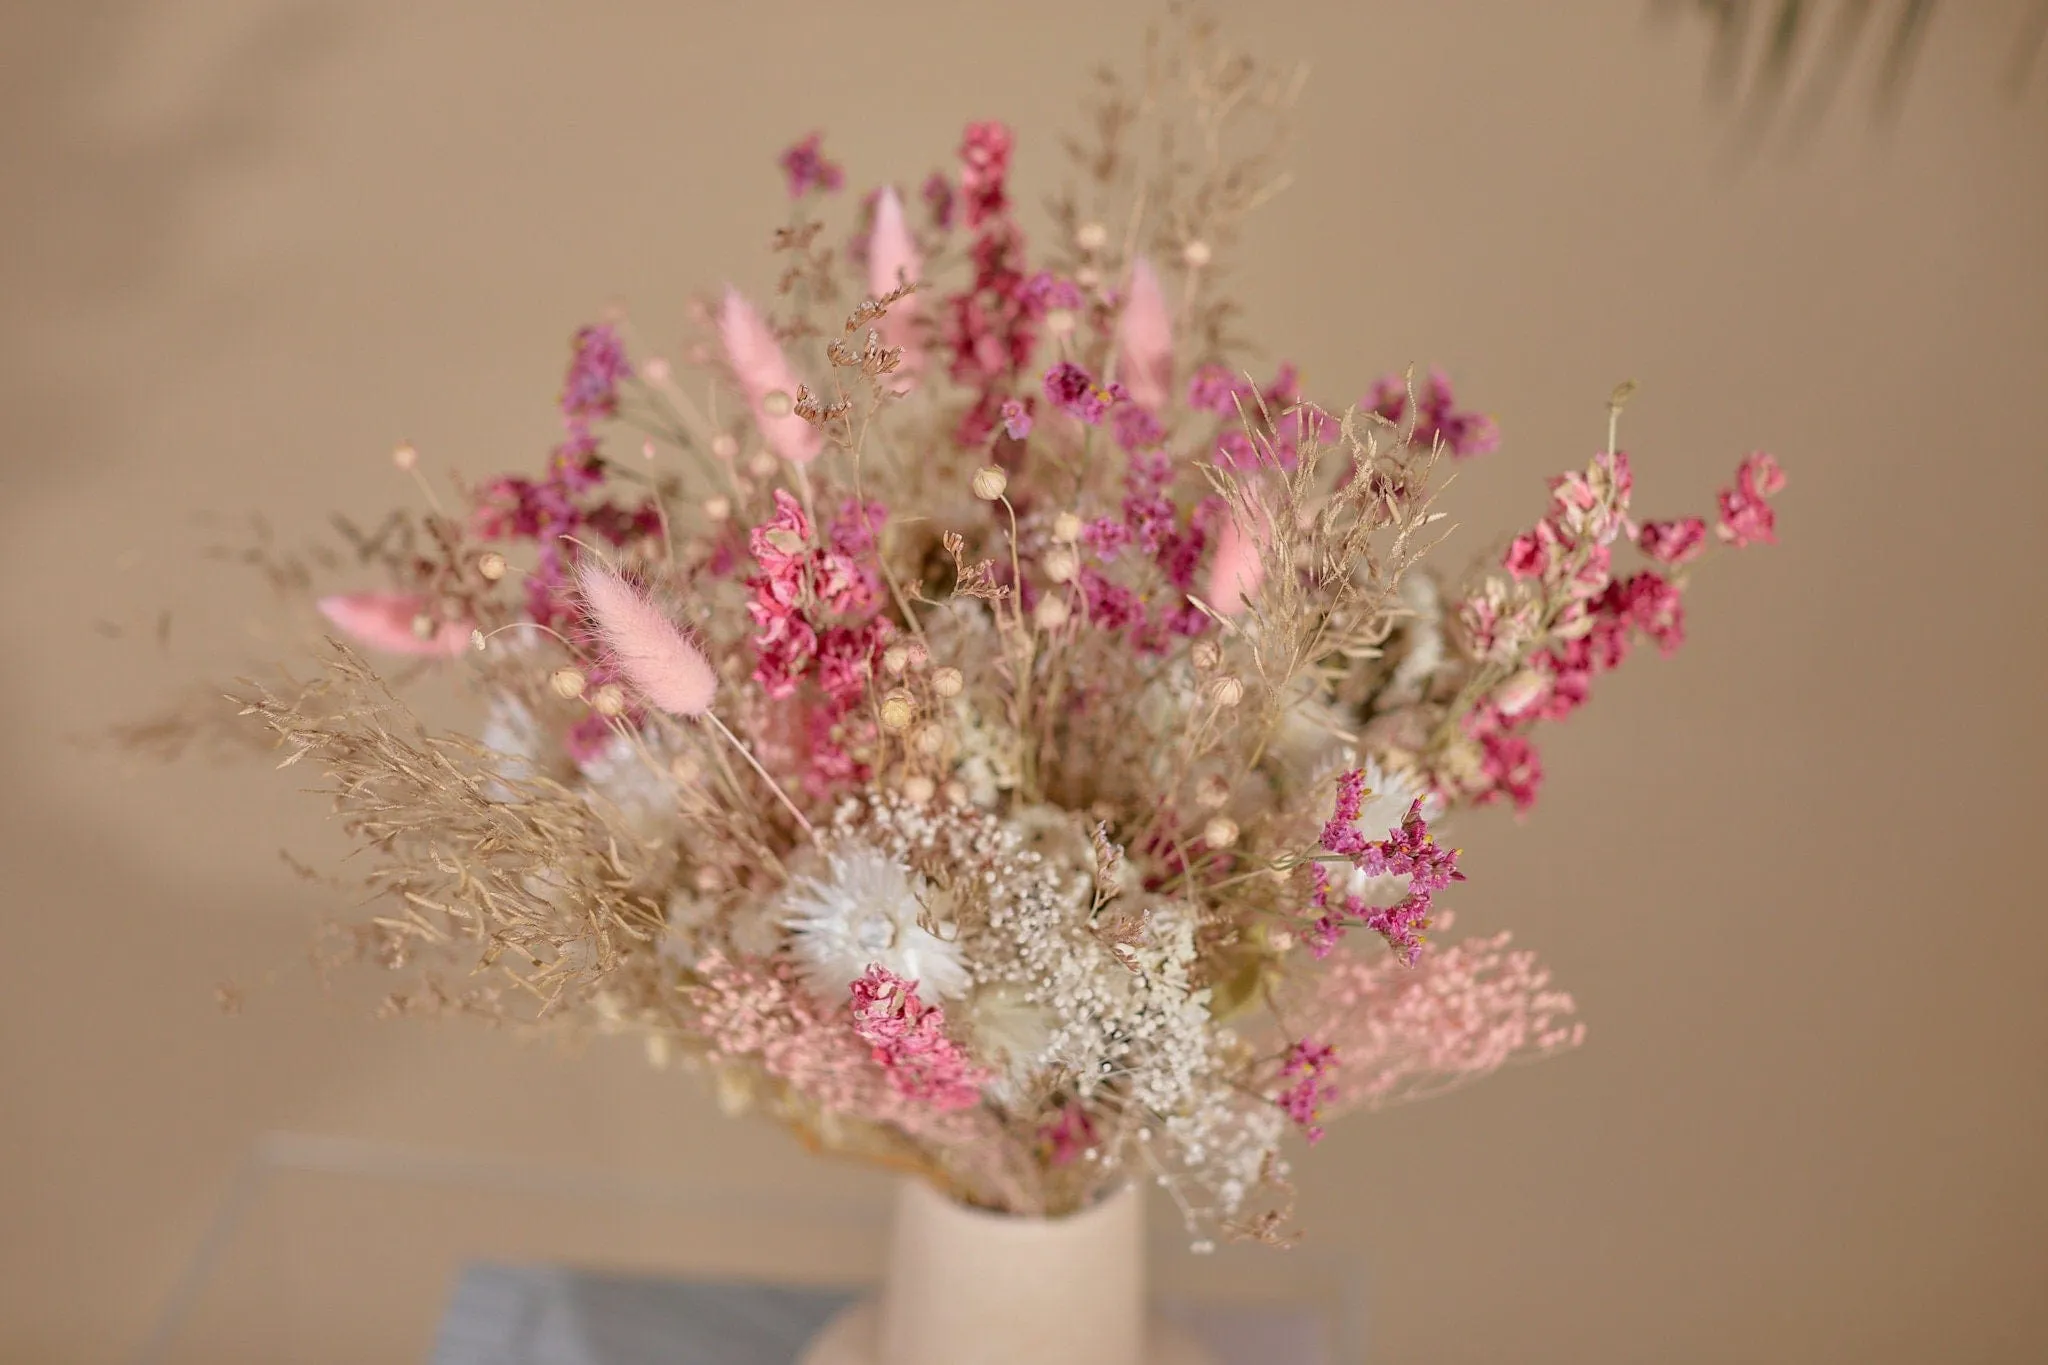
x: 967, y: 1287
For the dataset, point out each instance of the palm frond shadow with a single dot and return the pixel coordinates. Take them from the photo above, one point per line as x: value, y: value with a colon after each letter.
x: 1788, y: 62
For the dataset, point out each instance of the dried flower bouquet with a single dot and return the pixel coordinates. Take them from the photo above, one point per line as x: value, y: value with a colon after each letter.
x: 957, y: 708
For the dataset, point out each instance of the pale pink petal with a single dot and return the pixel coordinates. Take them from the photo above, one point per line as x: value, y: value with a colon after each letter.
x: 386, y: 620
x: 649, y: 648
x: 759, y: 365
x: 1237, y: 569
x: 1145, y: 339
x: 893, y: 261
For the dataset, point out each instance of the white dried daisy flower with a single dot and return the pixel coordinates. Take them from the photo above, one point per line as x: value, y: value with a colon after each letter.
x: 637, y: 784
x: 864, y: 910
x: 1010, y: 1032
x: 1424, y: 634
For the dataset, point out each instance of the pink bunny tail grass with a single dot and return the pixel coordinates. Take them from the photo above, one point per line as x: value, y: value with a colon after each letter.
x: 759, y: 365
x: 387, y: 621
x: 892, y: 262
x: 649, y: 649
x: 1237, y: 570
x: 1145, y: 339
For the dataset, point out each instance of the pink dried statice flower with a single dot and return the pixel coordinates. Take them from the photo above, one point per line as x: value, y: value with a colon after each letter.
x: 1407, y: 851
x: 1462, y: 433
x: 1746, y: 513
x: 1070, y: 1135
x: 750, y: 1010
x: 985, y: 171
x: 1016, y: 419
x: 1673, y: 542
x: 1309, y: 1064
x: 937, y: 193
x: 798, y: 583
x: 1074, y: 391
x: 806, y: 168
x: 909, y: 1041
x: 597, y: 366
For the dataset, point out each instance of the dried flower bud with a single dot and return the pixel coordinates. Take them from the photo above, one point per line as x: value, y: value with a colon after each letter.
x: 1196, y: 254
x: 919, y: 655
x: 761, y: 464
x: 1520, y: 692
x: 1060, y: 322
x: 478, y: 642
x: 686, y: 769
x: 1051, y: 613
x: 1212, y: 791
x: 1087, y: 277
x: 608, y: 700
x: 947, y: 682
x: 1091, y: 236
x: 1280, y: 940
x: 919, y: 789
x: 1066, y: 528
x: 1227, y: 691
x: 568, y: 683
x: 405, y: 455
x: 956, y: 792
x: 1220, y: 832
x: 899, y: 708
x: 718, y: 508
x: 656, y: 370
x: 1061, y: 564
x: 896, y: 657
x: 708, y: 879
x: 423, y: 626
x: 724, y: 446
x: 777, y: 403
x: 1206, y: 654
x: 491, y: 565
x: 989, y: 483
x: 647, y: 450
x: 929, y: 739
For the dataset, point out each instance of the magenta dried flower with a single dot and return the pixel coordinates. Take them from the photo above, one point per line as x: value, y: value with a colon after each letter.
x: 806, y: 169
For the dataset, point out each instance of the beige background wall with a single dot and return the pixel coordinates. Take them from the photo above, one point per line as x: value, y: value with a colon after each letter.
x: 1792, y: 874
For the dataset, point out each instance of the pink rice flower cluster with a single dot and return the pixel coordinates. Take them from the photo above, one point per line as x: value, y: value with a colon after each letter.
x: 1309, y: 1064
x: 909, y: 1041
x: 758, y: 1011
x: 1409, y: 850
x: 806, y: 169
x: 1465, y: 1011
x: 1439, y: 421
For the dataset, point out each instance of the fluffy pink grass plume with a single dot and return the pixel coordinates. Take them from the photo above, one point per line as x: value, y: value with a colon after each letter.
x: 892, y: 262
x: 761, y: 368
x: 1237, y: 569
x: 1145, y: 339
x: 652, y: 652
x: 386, y: 621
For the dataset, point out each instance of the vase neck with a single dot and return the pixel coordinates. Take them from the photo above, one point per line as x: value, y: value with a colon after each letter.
x: 968, y: 1285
